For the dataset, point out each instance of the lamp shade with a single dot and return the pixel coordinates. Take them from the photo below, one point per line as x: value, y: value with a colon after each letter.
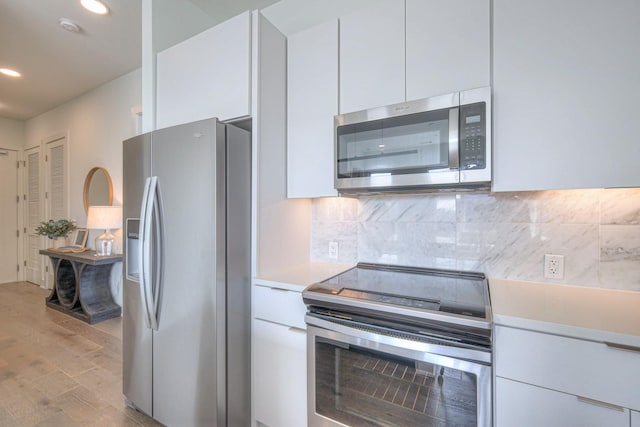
x: 104, y: 217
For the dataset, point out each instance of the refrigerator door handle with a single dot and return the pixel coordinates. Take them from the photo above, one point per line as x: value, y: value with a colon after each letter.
x: 158, y: 255
x: 146, y: 212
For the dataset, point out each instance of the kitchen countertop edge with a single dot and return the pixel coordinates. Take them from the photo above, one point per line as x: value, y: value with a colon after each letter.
x: 595, y: 314
x: 298, y: 277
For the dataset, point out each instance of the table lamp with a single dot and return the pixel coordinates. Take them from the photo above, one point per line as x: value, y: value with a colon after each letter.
x: 107, y: 218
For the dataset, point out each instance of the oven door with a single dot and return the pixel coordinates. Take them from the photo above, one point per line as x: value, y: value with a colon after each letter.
x: 360, y: 378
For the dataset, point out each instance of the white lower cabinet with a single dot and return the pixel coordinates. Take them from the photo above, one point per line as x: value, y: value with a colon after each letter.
x: 525, y: 405
x: 551, y: 380
x: 279, y: 358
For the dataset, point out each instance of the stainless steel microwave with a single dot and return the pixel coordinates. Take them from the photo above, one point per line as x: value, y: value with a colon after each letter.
x: 433, y: 143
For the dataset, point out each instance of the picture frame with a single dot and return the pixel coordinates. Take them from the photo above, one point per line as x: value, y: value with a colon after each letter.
x: 79, y: 238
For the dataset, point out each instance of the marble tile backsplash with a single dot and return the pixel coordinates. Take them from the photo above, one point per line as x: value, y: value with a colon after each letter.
x: 504, y: 235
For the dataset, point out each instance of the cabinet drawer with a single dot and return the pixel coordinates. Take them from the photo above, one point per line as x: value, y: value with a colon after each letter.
x: 524, y: 405
x: 279, y: 305
x: 584, y: 368
x: 279, y: 375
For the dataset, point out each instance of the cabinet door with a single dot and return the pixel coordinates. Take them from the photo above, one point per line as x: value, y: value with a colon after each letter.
x: 279, y: 374
x: 447, y: 46
x: 635, y: 419
x: 524, y: 405
x: 312, y: 101
x: 565, y: 80
x: 560, y: 363
x: 207, y: 75
x: 372, y: 54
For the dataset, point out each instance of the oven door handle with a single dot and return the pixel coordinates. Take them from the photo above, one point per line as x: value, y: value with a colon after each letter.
x: 444, y: 349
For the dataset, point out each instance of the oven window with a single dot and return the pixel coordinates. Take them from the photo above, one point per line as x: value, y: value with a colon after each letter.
x: 414, y: 143
x: 358, y: 387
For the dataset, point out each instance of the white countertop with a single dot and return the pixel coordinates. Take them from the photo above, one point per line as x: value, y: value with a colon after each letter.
x: 603, y: 315
x: 300, y: 276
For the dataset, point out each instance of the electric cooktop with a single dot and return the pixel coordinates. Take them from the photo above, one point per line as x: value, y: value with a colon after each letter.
x: 406, y: 294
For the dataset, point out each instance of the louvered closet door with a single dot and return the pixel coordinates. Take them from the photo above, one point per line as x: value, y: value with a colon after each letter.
x: 56, y: 184
x: 8, y: 216
x: 33, y: 215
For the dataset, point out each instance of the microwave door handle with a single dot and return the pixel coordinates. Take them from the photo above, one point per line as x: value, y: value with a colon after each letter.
x: 454, y: 123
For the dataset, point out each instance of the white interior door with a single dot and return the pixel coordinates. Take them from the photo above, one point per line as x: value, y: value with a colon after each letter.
x: 8, y: 216
x: 33, y: 214
x: 56, y: 193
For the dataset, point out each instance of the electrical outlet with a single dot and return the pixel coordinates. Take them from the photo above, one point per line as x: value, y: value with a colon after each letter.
x: 333, y: 250
x: 553, y: 266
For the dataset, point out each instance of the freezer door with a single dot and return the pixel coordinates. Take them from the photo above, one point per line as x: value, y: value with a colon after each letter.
x: 238, y: 387
x: 137, y: 338
x: 189, y: 162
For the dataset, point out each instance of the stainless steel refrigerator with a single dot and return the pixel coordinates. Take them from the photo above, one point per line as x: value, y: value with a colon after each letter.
x: 186, y: 285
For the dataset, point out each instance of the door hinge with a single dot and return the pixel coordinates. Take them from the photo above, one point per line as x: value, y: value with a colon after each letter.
x: 17, y: 199
x: 17, y: 233
x: 24, y: 163
x: 46, y: 158
x: 46, y: 195
x: 24, y: 263
x: 24, y: 197
x: 18, y: 268
x: 46, y: 269
x: 25, y: 230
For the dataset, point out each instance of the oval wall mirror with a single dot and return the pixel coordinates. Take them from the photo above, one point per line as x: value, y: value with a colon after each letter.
x: 98, y: 190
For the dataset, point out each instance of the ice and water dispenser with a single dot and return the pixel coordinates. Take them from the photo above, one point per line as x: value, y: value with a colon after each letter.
x: 133, y: 241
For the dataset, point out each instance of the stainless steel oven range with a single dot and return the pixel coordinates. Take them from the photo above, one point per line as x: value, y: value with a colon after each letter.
x: 399, y: 346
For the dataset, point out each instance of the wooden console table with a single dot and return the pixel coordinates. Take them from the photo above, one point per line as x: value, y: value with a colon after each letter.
x: 81, y: 285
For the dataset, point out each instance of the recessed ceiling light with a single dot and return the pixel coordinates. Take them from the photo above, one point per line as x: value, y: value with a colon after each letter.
x: 69, y: 25
x: 95, y: 6
x: 9, y: 72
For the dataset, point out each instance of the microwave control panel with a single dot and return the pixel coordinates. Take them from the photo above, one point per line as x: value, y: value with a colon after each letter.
x: 473, y: 138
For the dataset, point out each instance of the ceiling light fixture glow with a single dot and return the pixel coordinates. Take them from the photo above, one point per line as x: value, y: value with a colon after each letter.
x: 9, y: 72
x: 95, y: 6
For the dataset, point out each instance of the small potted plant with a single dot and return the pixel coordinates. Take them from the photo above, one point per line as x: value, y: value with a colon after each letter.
x: 54, y: 229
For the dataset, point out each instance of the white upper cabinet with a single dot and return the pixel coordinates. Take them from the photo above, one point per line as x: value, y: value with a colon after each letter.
x: 447, y: 50
x: 635, y: 419
x: 448, y: 45
x: 566, y: 87
x: 372, y: 56
x: 208, y: 75
x: 312, y: 81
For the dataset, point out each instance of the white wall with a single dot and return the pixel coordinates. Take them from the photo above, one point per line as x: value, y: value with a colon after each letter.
x: 11, y: 134
x: 282, y: 229
x: 95, y: 123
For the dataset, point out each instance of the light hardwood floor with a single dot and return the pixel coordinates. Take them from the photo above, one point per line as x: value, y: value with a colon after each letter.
x: 56, y: 370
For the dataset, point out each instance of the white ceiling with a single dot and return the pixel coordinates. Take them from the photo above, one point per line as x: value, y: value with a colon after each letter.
x: 58, y: 65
